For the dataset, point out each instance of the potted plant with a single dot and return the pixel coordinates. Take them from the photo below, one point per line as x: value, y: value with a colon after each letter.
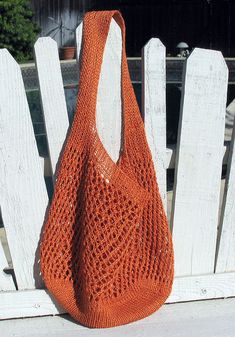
x: 67, y: 51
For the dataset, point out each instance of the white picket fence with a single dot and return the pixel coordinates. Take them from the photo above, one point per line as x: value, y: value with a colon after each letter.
x: 204, y: 242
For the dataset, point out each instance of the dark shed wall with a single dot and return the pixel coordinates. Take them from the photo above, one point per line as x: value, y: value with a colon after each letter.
x: 200, y: 23
x: 58, y: 18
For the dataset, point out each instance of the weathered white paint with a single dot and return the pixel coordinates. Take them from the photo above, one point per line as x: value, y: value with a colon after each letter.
x: 52, y: 96
x: 226, y: 248
x: 171, y: 153
x: 108, y: 111
x: 170, y: 159
x: 109, y: 107
x: 6, y: 282
x: 196, y: 319
x: 199, y: 287
x: 78, y: 36
x: 198, y: 159
x: 229, y: 120
x: 38, y: 302
x: 23, y: 195
x: 27, y: 303
x: 154, y: 106
x: 198, y: 163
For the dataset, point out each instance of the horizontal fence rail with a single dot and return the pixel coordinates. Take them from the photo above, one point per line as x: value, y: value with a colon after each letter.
x: 174, y: 71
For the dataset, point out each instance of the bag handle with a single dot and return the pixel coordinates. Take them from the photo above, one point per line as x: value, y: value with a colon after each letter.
x: 95, y: 31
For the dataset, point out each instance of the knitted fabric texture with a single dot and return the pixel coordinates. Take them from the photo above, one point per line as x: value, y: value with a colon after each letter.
x: 106, y: 251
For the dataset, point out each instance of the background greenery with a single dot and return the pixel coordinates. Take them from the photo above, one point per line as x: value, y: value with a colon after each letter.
x: 18, y: 32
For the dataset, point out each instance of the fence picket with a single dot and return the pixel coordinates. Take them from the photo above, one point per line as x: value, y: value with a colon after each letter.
x: 199, y: 148
x: 78, y: 38
x: 23, y: 195
x: 52, y: 95
x: 154, y: 106
x: 6, y: 282
x: 226, y: 248
x: 108, y: 111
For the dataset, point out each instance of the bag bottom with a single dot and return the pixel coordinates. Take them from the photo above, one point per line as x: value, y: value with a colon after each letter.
x: 139, y: 301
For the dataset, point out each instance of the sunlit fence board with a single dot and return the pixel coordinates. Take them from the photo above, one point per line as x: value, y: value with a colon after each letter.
x: 226, y: 248
x: 52, y: 96
x: 23, y: 195
x: 199, y: 162
x: 78, y: 39
x: 6, y: 282
x: 154, y: 106
x: 38, y: 302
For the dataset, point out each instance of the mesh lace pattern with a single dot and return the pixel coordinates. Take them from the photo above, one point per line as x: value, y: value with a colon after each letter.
x: 106, y: 251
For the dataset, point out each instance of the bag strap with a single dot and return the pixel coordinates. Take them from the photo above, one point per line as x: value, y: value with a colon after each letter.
x: 95, y: 31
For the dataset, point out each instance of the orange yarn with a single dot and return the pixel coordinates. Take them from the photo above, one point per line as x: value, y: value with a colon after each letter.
x: 106, y: 249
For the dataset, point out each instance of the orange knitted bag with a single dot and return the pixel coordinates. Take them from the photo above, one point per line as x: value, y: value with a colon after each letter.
x: 106, y: 249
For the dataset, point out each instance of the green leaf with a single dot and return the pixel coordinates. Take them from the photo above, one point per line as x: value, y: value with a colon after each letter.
x: 17, y: 30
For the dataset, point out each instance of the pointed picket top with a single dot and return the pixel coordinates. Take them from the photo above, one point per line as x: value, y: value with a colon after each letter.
x: 52, y: 95
x: 23, y: 195
x: 13, y: 72
x: 209, y: 58
x: 154, y: 107
x: 7, y: 59
x: 226, y: 243
x: 199, y: 148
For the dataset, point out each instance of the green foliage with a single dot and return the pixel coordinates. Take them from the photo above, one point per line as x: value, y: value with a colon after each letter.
x: 17, y: 30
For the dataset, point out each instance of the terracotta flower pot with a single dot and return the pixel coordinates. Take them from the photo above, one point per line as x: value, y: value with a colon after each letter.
x: 67, y: 53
